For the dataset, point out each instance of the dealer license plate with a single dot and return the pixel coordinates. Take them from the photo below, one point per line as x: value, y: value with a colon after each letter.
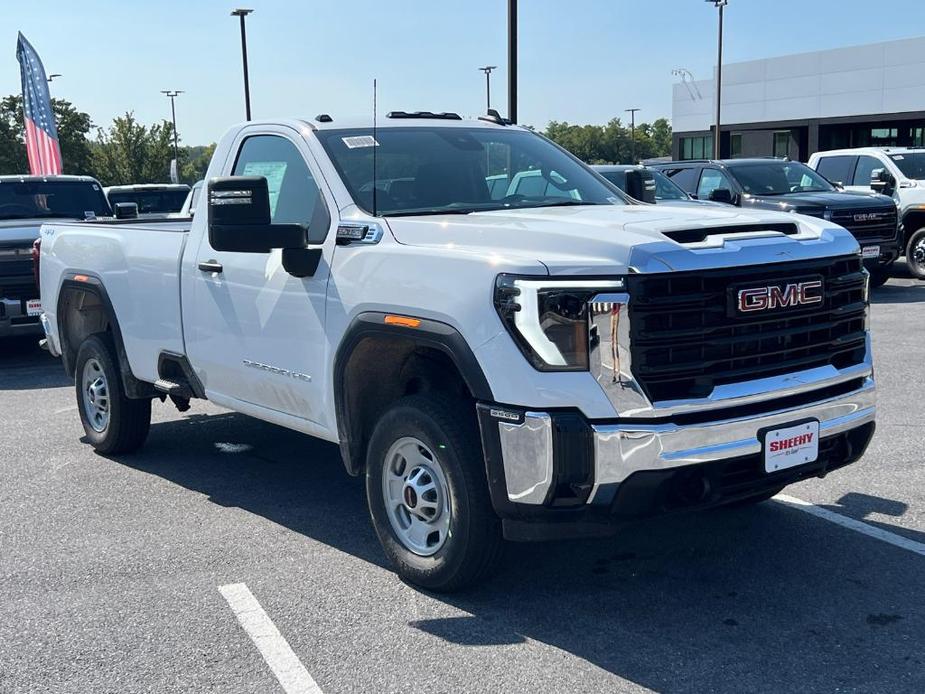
x: 33, y: 307
x: 870, y: 252
x: 791, y: 446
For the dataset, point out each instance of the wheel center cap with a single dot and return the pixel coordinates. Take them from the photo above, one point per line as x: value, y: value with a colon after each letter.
x: 411, y: 497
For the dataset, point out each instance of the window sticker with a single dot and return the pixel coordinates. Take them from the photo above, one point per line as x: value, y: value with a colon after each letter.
x: 898, y: 157
x: 358, y: 141
x: 273, y: 171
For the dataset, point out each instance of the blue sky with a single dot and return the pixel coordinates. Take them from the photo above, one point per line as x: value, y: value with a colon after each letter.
x: 581, y: 60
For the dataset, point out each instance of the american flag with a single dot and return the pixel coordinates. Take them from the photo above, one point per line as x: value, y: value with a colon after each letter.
x: 41, y: 134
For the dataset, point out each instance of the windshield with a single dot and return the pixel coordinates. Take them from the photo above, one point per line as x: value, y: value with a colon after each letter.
x: 151, y: 201
x: 778, y: 178
x: 51, y: 199
x: 666, y: 189
x: 454, y: 170
x: 912, y: 165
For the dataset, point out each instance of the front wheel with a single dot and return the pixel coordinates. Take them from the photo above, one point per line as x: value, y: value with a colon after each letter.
x: 113, y: 423
x: 879, y: 276
x: 915, y: 254
x: 428, y: 494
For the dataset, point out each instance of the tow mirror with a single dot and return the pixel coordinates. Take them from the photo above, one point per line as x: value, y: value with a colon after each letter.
x: 125, y: 210
x: 640, y: 184
x: 239, y: 218
x: 882, y: 181
x: 723, y: 195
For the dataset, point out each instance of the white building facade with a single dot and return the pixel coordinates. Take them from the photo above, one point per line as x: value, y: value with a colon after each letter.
x: 795, y: 105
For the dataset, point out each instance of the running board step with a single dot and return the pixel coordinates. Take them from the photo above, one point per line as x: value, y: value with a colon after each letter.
x: 173, y: 388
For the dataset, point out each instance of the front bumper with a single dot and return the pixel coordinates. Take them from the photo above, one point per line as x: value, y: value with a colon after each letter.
x: 15, y: 322
x: 559, y: 467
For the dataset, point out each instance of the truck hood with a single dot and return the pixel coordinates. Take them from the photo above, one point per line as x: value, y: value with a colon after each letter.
x: 19, y: 231
x: 835, y: 200
x: 606, y: 239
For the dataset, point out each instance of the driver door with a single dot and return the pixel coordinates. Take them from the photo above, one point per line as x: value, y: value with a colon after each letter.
x: 255, y: 332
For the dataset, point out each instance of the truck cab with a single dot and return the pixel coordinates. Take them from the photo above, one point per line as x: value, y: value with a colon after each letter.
x: 898, y: 172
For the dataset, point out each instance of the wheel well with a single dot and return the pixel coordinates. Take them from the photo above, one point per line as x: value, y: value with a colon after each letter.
x: 84, y: 311
x: 912, y: 222
x: 380, y: 370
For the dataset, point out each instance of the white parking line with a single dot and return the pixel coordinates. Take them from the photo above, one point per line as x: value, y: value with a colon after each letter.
x: 274, y: 648
x: 852, y: 524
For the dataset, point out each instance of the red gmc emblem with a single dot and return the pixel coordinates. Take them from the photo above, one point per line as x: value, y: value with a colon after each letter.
x: 775, y: 296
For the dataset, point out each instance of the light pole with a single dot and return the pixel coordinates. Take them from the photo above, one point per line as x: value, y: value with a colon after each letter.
x: 632, y: 112
x: 242, y: 13
x: 720, y: 5
x: 172, y: 94
x: 512, y: 60
x: 53, y: 76
x: 487, y: 70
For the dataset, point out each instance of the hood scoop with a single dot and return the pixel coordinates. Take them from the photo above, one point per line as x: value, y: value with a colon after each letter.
x: 685, y: 236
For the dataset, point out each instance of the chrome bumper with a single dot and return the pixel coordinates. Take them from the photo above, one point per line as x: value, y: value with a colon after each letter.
x: 619, y: 450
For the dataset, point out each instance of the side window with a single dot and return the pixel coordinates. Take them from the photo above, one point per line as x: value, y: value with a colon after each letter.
x: 686, y: 178
x: 294, y: 195
x: 710, y: 180
x: 866, y: 166
x: 837, y: 169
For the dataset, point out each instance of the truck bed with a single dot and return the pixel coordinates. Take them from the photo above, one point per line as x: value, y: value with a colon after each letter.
x: 138, y: 261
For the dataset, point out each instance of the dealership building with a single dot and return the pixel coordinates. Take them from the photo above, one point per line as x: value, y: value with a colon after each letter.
x: 792, y: 106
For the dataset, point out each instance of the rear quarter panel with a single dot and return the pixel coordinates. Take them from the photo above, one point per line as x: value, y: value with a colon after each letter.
x: 139, y: 267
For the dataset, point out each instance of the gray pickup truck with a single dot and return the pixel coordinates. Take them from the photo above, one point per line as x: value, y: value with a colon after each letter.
x: 26, y: 202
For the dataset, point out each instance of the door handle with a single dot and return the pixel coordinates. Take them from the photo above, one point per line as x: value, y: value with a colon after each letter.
x: 210, y: 266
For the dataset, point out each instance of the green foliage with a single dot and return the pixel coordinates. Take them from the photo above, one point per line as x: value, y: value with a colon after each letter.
x: 73, y: 128
x: 129, y: 152
x: 194, y: 161
x: 612, y: 143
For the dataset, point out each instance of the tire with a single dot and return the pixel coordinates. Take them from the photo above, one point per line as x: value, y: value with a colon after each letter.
x: 112, y: 422
x: 915, y: 254
x: 879, y: 276
x: 432, y: 445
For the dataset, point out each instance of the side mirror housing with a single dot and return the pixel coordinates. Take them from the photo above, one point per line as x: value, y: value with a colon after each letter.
x: 125, y: 210
x: 239, y: 217
x: 640, y: 184
x: 723, y: 195
x: 882, y: 181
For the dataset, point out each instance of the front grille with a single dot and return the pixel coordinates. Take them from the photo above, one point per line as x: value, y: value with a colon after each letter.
x: 872, y: 224
x: 17, y: 280
x: 685, y: 339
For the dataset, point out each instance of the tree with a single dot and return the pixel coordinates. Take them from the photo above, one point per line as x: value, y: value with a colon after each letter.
x: 73, y: 128
x: 194, y: 162
x: 129, y: 152
x: 612, y: 143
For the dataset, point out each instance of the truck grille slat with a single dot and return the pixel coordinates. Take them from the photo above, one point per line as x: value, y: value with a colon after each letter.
x: 684, y: 341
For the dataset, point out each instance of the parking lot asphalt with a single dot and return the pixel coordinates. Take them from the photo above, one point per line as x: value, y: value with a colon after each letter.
x: 110, y: 568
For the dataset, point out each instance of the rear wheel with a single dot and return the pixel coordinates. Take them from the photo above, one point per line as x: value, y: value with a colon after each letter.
x: 112, y: 422
x: 428, y: 494
x: 915, y: 254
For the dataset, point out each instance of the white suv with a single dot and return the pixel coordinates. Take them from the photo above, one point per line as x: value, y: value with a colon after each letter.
x: 895, y: 171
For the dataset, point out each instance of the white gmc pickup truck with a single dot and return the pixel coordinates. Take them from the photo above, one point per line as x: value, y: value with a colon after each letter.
x: 546, y: 363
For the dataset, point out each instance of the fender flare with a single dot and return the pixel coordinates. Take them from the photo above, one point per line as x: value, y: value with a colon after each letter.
x: 91, y: 283
x: 429, y: 333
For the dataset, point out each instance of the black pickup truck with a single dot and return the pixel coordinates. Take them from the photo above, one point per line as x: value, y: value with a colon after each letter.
x: 789, y: 186
x: 25, y: 203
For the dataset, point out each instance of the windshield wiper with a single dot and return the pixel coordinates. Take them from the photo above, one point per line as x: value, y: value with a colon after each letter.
x: 450, y: 210
x: 561, y: 203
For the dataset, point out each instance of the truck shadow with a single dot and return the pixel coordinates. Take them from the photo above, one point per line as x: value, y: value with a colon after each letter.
x: 764, y: 598
x: 26, y: 366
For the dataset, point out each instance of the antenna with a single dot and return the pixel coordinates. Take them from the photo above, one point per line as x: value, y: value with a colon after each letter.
x: 375, y: 147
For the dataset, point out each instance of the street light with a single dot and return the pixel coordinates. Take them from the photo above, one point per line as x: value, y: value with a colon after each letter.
x: 52, y: 76
x: 512, y: 60
x: 242, y: 13
x: 720, y: 5
x: 173, y: 94
x: 487, y: 70
x: 632, y: 112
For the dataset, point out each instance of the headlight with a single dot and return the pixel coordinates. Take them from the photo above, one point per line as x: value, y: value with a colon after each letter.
x: 548, y: 318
